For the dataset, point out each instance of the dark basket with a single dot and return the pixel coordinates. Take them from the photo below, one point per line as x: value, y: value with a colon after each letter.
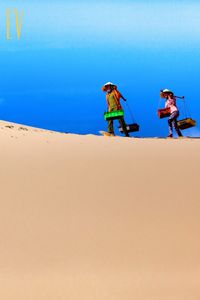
x: 130, y: 128
x: 186, y: 123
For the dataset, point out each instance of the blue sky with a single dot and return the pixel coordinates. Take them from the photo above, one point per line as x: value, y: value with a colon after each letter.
x: 52, y: 77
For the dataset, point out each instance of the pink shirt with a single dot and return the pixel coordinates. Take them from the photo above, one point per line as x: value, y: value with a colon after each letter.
x: 171, y: 103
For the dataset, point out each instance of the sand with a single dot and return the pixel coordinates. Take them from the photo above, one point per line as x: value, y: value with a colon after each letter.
x: 98, y: 218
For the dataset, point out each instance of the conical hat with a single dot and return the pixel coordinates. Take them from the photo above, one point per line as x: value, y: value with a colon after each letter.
x: 166, y: 91
x: 109, y: 83
x: 105, y: 87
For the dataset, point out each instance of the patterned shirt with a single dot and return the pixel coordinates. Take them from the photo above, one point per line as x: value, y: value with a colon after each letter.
x: 171, y: 103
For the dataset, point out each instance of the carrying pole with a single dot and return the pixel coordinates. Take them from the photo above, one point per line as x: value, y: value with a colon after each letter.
x: 180, y: 97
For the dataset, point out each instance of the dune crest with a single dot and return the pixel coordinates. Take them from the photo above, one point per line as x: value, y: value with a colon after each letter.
x: 90, y: 217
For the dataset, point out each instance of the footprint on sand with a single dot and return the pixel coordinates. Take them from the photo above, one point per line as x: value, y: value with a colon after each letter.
x: 9, y: 126
x: 23, y: 128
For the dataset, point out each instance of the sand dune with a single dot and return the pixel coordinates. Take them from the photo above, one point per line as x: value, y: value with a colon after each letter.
x: 98, y: 218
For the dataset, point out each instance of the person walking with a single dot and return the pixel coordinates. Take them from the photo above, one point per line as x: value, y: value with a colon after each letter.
x: 174, y: 112
x: 113, y: 103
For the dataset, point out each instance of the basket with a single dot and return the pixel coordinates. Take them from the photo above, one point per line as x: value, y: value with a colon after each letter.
x: 186, y: 123
x: 113, y: 115
x: 130, y: 128
x: 163, y: 113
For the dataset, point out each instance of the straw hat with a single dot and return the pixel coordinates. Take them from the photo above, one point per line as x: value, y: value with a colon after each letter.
x: 109, y: 83
x: 166, y: 91
x: 106, y: 86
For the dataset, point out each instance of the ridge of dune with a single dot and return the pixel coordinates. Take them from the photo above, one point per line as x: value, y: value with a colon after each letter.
x: 91, y: 217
